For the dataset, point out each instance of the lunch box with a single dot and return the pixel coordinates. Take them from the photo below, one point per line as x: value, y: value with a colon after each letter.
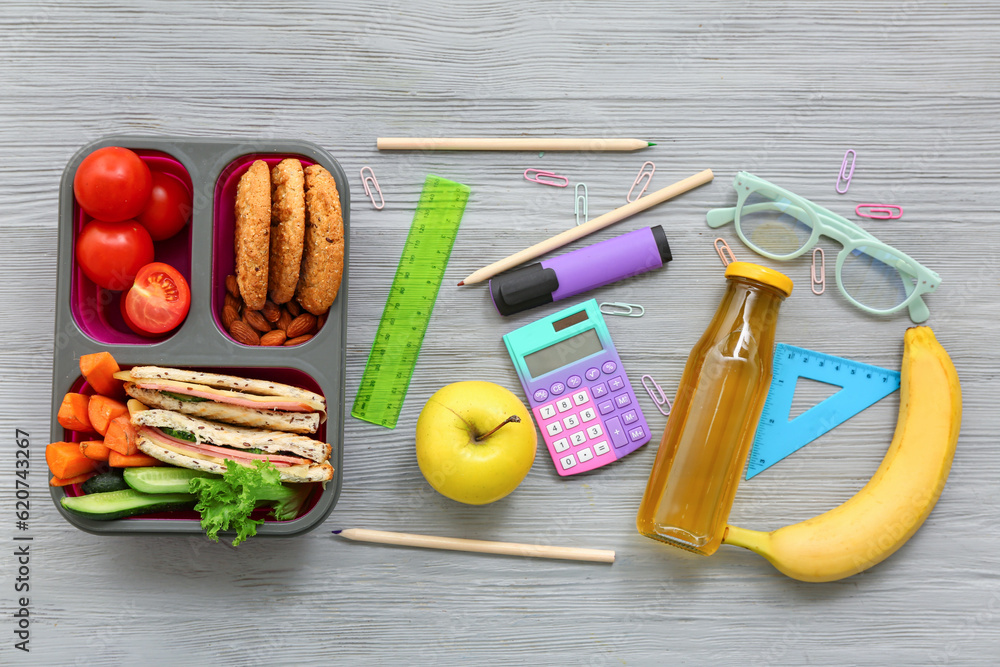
x: 88, y: 318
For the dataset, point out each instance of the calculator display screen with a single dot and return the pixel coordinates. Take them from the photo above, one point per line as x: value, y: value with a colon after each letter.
x: 563, y: 353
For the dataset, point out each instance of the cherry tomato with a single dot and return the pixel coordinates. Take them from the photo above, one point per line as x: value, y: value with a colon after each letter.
x: 159, y: 300
x: 129, y: 323
x: 168, y: 208
x: 111, y: 253
x: 112, y: 184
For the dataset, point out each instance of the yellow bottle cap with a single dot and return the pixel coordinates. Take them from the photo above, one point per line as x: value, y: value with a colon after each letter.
x: 761, y: 274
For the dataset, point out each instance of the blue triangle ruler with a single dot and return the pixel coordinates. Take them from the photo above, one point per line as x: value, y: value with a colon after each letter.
x: 777, y: 435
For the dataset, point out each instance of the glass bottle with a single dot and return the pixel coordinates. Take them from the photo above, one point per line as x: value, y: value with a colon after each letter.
x: 711, y: 426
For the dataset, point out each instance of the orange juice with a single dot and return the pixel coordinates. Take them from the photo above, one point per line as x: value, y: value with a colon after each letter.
x: 712, y: 422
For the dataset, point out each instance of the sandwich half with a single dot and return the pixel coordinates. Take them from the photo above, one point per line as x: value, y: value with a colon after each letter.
x: 191, y: 442
x: 235, y: 400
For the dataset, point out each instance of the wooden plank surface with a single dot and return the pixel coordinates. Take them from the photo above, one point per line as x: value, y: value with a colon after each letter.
x: 781, y: 90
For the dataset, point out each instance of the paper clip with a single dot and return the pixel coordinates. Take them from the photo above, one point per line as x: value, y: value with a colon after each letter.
x: 879, y: 211
x: 818, y: 276
x: 725, y: 252
x: 370, y: 178
x: 846, y: 170
x: 580, y: 206
x: 623, y: 309
x: 660, y: 400
x: 644, y: 175
x: 539, y: 176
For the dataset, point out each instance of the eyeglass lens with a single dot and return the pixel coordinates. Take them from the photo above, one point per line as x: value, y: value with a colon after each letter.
x: 774, y: 224
x: 871, y: 277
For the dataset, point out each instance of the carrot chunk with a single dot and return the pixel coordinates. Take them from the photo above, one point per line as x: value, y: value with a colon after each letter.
x: 79, y: 479
x: 95, y: 450
x: 66, y: 460
x: 74, y: 412
x: 140, y: 460
x: 99, y: 370
x: 102, y: 410
x: 121, y: 436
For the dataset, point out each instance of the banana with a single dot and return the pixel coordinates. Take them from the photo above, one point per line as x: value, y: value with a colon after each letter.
x: 883, y: 515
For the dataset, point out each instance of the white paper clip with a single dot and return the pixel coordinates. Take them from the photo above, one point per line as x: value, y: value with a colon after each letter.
x: 846, y: 171
x: 644, y: 177
x: 660, y: 400
x: 623, y: 309
x: 580, y: 205
x: 370, y: 179
x: 818, y: 272
x: 725, y: 252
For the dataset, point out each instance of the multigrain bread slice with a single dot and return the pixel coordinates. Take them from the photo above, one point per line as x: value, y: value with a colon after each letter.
x: 323, y: 248
x: 288, y: 221
x: 253, y: 228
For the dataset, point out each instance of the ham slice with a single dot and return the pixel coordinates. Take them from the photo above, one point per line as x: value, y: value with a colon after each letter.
x: 197, y: 449
x: 229, y: 397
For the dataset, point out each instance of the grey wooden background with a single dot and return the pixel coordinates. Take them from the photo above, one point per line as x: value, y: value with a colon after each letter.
x: 780, y: 89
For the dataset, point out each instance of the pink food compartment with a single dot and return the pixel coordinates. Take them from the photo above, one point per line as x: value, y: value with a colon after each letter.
x: 97, y: 311
x: 224, y: 228
x: 288, y: 376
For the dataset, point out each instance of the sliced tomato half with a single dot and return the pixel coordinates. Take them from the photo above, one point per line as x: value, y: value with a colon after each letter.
x: 159, y: 300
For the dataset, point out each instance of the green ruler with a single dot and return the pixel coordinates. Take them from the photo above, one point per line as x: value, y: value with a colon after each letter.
x: 411, y: 300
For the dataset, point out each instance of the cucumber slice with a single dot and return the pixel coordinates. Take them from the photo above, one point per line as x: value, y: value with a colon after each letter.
x: 106, y: 481
x: 129, y: 502
x: 159, y: 479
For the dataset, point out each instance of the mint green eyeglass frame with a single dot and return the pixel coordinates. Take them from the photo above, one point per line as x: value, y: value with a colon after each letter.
x: 840, y: 229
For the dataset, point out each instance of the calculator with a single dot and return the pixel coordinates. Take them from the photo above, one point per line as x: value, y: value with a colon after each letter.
x: 577, y: 389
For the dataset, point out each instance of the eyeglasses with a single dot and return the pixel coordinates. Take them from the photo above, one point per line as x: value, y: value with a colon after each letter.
x: 780, y: 225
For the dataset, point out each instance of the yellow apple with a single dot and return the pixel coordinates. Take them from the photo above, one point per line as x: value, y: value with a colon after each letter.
x: 475, y: 442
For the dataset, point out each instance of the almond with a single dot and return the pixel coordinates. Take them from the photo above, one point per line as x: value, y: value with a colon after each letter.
x: 233, y: 301
x: 301, y: 325
x: 244, y: 333
x: 229, y: 315
x: 276, y: 337
x: 320, y: 321
x: 257, y: 321
x: 294, y: 308
x: 298, y: 340
x: 284, y: 320
x: 271, y: 311
x: 232, y: 286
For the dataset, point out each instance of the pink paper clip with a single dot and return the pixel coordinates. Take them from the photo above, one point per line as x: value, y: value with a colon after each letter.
x: 725, y: 252
x: 539, y: 176
x: 818, y: 272
x: 879, y: 211
x: 846, y: 170
x: 371, y: 187
x: 644, y: 177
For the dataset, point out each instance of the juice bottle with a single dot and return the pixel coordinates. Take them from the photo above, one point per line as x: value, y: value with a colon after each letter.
x: 711, y: 426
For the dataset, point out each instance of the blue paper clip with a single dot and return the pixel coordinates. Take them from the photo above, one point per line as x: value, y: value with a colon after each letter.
x: 846, y: 170
x: 580, y: 205
x: 546, y: 178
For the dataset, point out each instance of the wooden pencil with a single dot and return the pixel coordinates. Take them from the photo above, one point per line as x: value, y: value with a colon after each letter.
x: 477, y: 546
x: 512, y: 144
x: 600, y: 222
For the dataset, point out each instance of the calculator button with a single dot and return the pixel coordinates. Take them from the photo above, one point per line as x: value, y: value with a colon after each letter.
x: 585, y: 455
x: 638, y: 433
x: 567, y: 461
x: 557, y: 388
x: 599, y: 389
x: 602, y: 448
x: 588, y: 415
x: 616, y: 383
x: 564, y: 404
x: 617, y: 432
x: 547, y: 411
x: 560, y: 445
x: 555, y: 428
x: 621, y: 400
x: 580, y: 397
x: 574, y: 381
x: 540, y: 395
x: 578, y: 438
x: 592, y: 374
x: 595, y: 431
x: 609, y: 367
x: 606, y: 407
x: 571, y: 422
x: 630, y: 417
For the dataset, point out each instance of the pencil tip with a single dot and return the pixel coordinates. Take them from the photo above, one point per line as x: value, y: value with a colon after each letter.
x: 461, y: 283
x: 336, y: 532
x: 650, y: 143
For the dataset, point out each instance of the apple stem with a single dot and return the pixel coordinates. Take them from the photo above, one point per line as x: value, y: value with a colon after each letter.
x: 512, y: 418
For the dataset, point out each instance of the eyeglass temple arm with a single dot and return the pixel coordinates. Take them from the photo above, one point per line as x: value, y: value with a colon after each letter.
x: 918, y: 309
x: 718, y: 217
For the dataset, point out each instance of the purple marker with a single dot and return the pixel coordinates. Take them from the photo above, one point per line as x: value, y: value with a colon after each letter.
x: 580, y: 271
